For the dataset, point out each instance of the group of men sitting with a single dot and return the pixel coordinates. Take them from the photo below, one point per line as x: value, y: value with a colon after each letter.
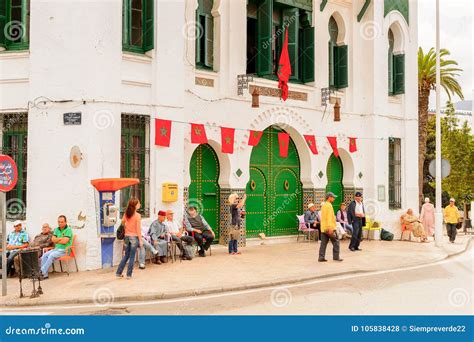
x: 166, y: 229
x: 312, y: 218
x: 49, y: 245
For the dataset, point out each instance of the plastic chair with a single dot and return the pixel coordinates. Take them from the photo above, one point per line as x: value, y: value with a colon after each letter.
x: 70, y: 255
x: 369, y: 227
x: 203, y: 242
x: 303, y: 228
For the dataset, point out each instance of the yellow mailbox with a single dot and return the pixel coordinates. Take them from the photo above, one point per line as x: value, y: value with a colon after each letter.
x: 170, y: 192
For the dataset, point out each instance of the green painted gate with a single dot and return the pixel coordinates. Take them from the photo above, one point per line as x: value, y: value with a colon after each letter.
x: 274, y: 191
x: 334, y: 171
x: 204, y: 191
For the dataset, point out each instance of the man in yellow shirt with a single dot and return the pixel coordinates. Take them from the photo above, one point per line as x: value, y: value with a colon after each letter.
x: 328, y: 229
x: 451, y: 217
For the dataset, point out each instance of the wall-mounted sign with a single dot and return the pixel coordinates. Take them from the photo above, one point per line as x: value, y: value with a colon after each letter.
x: 8, y: 173
x: 381, y: 193
x: 72, y: 119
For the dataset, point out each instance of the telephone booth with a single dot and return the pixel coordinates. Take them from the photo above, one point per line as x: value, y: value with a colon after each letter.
x: 108, y: 213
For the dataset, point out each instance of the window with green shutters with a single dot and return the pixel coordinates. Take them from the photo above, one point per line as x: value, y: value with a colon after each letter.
x: 396, y: 69
x: 394, y: 173
x: 138, y: 25
x: 14, y: 144
x: 135, y: 159
x: 14, y: 24
x: 337, y: 59
x: 266, y: 22
x: 204, y: 35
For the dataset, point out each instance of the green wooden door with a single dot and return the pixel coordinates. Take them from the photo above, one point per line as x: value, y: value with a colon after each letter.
x: 274, y: 189
x: 204, y: 191
x: 334, y: 172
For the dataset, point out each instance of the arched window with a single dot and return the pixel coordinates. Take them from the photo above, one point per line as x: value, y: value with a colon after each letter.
x: 205, y: 34
x: 396, y: 66
x: 337, y: 58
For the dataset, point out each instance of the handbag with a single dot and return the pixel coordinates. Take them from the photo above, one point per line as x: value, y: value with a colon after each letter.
x: 234, y: 233
x: 121, y: 231
x: 459, y: 224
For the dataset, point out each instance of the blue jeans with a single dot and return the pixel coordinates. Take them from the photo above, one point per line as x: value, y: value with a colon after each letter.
x: 48, y: 258
x: 131, y: 245
x: 142, y: 251
x: 349, y: 228
x: 232, y: 246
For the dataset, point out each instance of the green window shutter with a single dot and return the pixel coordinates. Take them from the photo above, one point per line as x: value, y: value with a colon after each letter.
x: 331, y: 55
x: 308, y: 54
x: 390, y: 72
x: 199, y: 34
x: 125, y: 22
x: 148, y: 25
x: 209, y: 41
x: 264, y: 30
x: 3, y: 22
x: 291, y: 19
x: 340, y: 65
x: 399, y: 74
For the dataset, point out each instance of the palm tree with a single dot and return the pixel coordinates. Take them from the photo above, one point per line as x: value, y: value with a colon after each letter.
x: 426, y: 83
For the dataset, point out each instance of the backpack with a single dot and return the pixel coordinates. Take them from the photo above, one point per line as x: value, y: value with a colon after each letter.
x: 189, y: 250
x: 386, y: 235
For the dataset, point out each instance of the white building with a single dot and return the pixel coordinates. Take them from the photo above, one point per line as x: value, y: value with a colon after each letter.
x: 123, y: 66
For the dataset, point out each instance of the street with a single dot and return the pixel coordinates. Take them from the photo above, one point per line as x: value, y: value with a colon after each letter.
x: 445, y: 287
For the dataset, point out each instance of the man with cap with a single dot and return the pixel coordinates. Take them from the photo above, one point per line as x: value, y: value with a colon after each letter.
x: 197, y: 226
x: 311, y: 218
x: 451, y: 217
x: 177, y: 235
x: 328, y: 229
x: 16, y: 241
x: 159, y: 236
x: 356, y: 218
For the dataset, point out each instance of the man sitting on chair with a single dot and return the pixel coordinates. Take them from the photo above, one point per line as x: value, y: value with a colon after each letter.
x: 16, y: 241
x: 197, y: 225
x: 41, y: 241
x: 176, y: 233
x: 159, y: 236
x: 311, y: 218
x: 62, y: 239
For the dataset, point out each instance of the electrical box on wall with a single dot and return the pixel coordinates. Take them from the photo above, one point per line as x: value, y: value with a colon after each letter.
x: 169, y: 192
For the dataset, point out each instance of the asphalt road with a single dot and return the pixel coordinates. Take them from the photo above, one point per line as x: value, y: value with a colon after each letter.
x: 445, y: 287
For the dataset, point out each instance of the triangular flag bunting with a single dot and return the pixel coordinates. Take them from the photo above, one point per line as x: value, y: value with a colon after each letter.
x: 198, y: 134
x: 333, y: 143
x: 311, y: 142
x: 162, y: 132
x: 352, y: 145
x: 227, y: 139
x: 284, y: 68
x: 283, y: 140
x: 254, y: 137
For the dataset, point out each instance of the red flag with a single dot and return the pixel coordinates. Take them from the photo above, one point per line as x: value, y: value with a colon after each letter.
x: 284, y: 68
x: 333, y: 143
x: 352, y: 145
x: 283, y: 140
x: 311, y: 141
x: 198, y: 134
x: 227, y: 139
x: 162, y: 132
x: 254, y: 137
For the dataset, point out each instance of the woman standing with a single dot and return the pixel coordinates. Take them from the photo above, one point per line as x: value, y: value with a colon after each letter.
x: 427, y: 217
x: 235, y: 212
x: 133, y: 236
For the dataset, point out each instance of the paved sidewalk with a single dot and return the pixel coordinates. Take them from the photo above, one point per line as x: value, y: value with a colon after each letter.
x: 258, y: 266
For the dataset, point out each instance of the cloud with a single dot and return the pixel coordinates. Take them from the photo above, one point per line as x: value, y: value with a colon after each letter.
x: 456, y: 34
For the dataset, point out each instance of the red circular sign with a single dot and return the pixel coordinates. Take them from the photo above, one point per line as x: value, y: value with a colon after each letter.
x: 8, y: 173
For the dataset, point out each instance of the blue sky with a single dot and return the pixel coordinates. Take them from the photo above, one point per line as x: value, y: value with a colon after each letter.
x: 456, y: 34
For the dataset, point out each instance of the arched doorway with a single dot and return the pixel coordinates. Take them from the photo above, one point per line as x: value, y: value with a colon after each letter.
x: 274, y: 191
x: 335, y: 173
x: 204, y: 191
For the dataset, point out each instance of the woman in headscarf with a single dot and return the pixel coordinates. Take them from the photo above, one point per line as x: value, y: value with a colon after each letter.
x: 427, y: 217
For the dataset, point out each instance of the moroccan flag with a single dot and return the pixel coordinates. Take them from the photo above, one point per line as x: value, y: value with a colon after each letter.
x: 284, y: 68
x: 283, y: 141
x: 254, y: 137
x: 198, y: 134
x: 227, y: 139
x: 333, y: 143
x: 352, y: 145
x: 162, y: 132
x: 311, y: 142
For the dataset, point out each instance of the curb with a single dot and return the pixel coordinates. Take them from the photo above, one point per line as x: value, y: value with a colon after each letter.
x: 216, y: 290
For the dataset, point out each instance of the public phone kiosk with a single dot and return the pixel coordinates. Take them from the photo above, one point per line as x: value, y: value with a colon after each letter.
x: 109, y: 211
